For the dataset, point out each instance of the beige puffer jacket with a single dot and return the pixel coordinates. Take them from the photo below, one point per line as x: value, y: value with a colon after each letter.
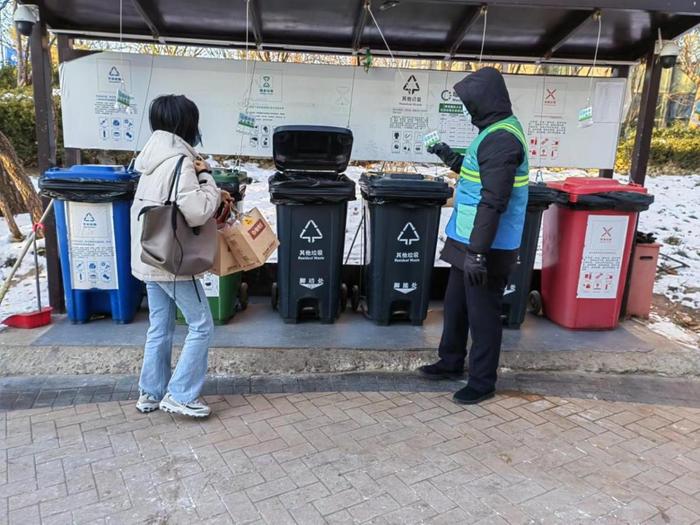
x: 197, y: 196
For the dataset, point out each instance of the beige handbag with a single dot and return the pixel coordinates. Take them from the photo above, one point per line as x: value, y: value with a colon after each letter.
x: 169, y: 243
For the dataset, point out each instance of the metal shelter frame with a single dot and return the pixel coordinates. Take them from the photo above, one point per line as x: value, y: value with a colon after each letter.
x: 544, y: 31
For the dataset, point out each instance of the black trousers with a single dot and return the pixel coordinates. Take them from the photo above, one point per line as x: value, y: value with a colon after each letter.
x: 475, y: 309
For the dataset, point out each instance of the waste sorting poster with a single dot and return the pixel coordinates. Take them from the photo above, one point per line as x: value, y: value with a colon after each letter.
x: 92, y: 251
x: 388, y: 110
x: 603, y: 253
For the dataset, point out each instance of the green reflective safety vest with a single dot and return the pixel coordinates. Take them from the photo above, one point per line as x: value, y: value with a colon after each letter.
x: 468, y: 193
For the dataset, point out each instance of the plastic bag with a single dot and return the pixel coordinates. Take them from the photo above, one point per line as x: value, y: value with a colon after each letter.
x: 87, y: 189
x: 410, y: 190
x: 614, y: 200
x: 540, y: 197
x: 304, y: 188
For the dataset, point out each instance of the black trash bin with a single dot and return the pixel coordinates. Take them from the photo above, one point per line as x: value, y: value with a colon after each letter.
x: 402, y: 214
x: 311, y: 195
x: 517, y: 292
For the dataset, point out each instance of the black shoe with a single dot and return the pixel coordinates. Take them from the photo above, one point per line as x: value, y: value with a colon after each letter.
x: 439, y: 371
x: 470, y: 396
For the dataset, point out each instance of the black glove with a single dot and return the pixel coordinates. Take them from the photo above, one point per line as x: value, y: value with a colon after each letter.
x: 439, y: 149
x: 449, y: 157
x: 475, y: 272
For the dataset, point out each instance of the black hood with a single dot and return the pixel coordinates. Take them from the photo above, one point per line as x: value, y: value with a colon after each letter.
x: 485, y: 96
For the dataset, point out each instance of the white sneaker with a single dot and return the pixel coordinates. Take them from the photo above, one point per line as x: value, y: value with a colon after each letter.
x: 147, y: 403
x: 196, y: 408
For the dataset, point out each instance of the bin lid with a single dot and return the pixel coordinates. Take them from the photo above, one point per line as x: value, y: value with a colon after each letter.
x: 585, y: 193
x: 576, y: 186
x: 89, y: 183
x: 403, y: 186
x: 312, y: 148
x: 91, y: 172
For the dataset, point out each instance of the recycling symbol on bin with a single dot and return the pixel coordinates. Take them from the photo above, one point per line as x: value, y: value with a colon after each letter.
x: 408, y: 235
x: 311, y: 233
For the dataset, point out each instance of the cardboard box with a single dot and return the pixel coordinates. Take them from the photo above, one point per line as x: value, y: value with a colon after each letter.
x: 246, y: 244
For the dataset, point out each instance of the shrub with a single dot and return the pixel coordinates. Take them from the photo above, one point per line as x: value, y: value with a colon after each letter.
x: 673, y: 150
x: 17, y: 122
x: 8, y: 78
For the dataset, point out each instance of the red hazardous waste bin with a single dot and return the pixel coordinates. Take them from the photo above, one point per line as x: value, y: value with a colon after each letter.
x: 586, y: 251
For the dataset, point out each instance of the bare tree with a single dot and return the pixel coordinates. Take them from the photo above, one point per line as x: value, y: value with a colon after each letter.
x: 689, y: 63
x: 17, y: 193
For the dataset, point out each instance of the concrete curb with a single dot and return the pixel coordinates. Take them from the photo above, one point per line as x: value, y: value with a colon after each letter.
x: 22, y: 359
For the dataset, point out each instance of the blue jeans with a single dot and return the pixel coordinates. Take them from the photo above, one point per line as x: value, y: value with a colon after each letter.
x: 157, y: 378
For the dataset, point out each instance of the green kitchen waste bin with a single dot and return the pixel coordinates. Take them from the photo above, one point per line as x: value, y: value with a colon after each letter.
x: 228, y: 294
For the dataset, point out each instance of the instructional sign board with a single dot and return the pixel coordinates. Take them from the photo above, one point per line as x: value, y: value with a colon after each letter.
x: 603, y: 251
x: 91, y: 246
x: 389, y: 111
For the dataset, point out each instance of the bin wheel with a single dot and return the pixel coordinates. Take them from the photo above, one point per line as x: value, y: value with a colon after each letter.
x: 534, y: 302
x: 343, y: 297
x: 243, y: 296
x: 355, y: 298
x: 275, y: 296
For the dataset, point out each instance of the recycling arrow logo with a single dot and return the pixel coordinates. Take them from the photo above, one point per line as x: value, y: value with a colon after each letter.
x: 411, y: 86
x: 114, y: 75
x: 408, y: 235
x: 311, y: 233
x: 89, y: 221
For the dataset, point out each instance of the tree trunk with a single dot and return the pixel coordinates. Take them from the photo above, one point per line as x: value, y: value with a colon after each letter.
x: 12, y: 199
x: 16, y: 183
x: 10, y: 219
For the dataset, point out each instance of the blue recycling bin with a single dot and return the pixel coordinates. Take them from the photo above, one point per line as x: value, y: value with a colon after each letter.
x: 92, y: 205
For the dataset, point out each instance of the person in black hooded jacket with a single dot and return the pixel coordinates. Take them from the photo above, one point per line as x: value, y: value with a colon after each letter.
x: 483, y: 235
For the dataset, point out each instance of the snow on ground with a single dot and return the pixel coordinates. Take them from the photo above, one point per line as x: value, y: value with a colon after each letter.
x: 22, y: 294
x: 674, y: 219
x: 667, y: 328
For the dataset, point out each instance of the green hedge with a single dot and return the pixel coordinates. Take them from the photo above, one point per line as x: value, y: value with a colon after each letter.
x: 674, y: 150
x: 17, y: 122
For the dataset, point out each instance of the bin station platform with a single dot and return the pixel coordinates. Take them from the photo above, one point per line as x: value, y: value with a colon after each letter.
x: 258, y: 342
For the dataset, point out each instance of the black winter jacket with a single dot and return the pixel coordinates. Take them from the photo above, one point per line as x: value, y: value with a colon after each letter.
x: 485, y: 96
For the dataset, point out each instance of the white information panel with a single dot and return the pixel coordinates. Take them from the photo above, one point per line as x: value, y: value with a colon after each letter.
x: 91, y: 246
x: 389, y: 111
x: 603, y: 251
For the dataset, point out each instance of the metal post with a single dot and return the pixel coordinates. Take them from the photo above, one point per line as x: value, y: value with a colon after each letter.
x: 647, y: 114
x: 46, y: 146
x: 618, y: 72
x: 642, y: 143
x: 66, y: 53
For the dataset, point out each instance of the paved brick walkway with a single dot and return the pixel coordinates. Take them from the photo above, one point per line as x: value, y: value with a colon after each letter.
x: 353, y: 458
